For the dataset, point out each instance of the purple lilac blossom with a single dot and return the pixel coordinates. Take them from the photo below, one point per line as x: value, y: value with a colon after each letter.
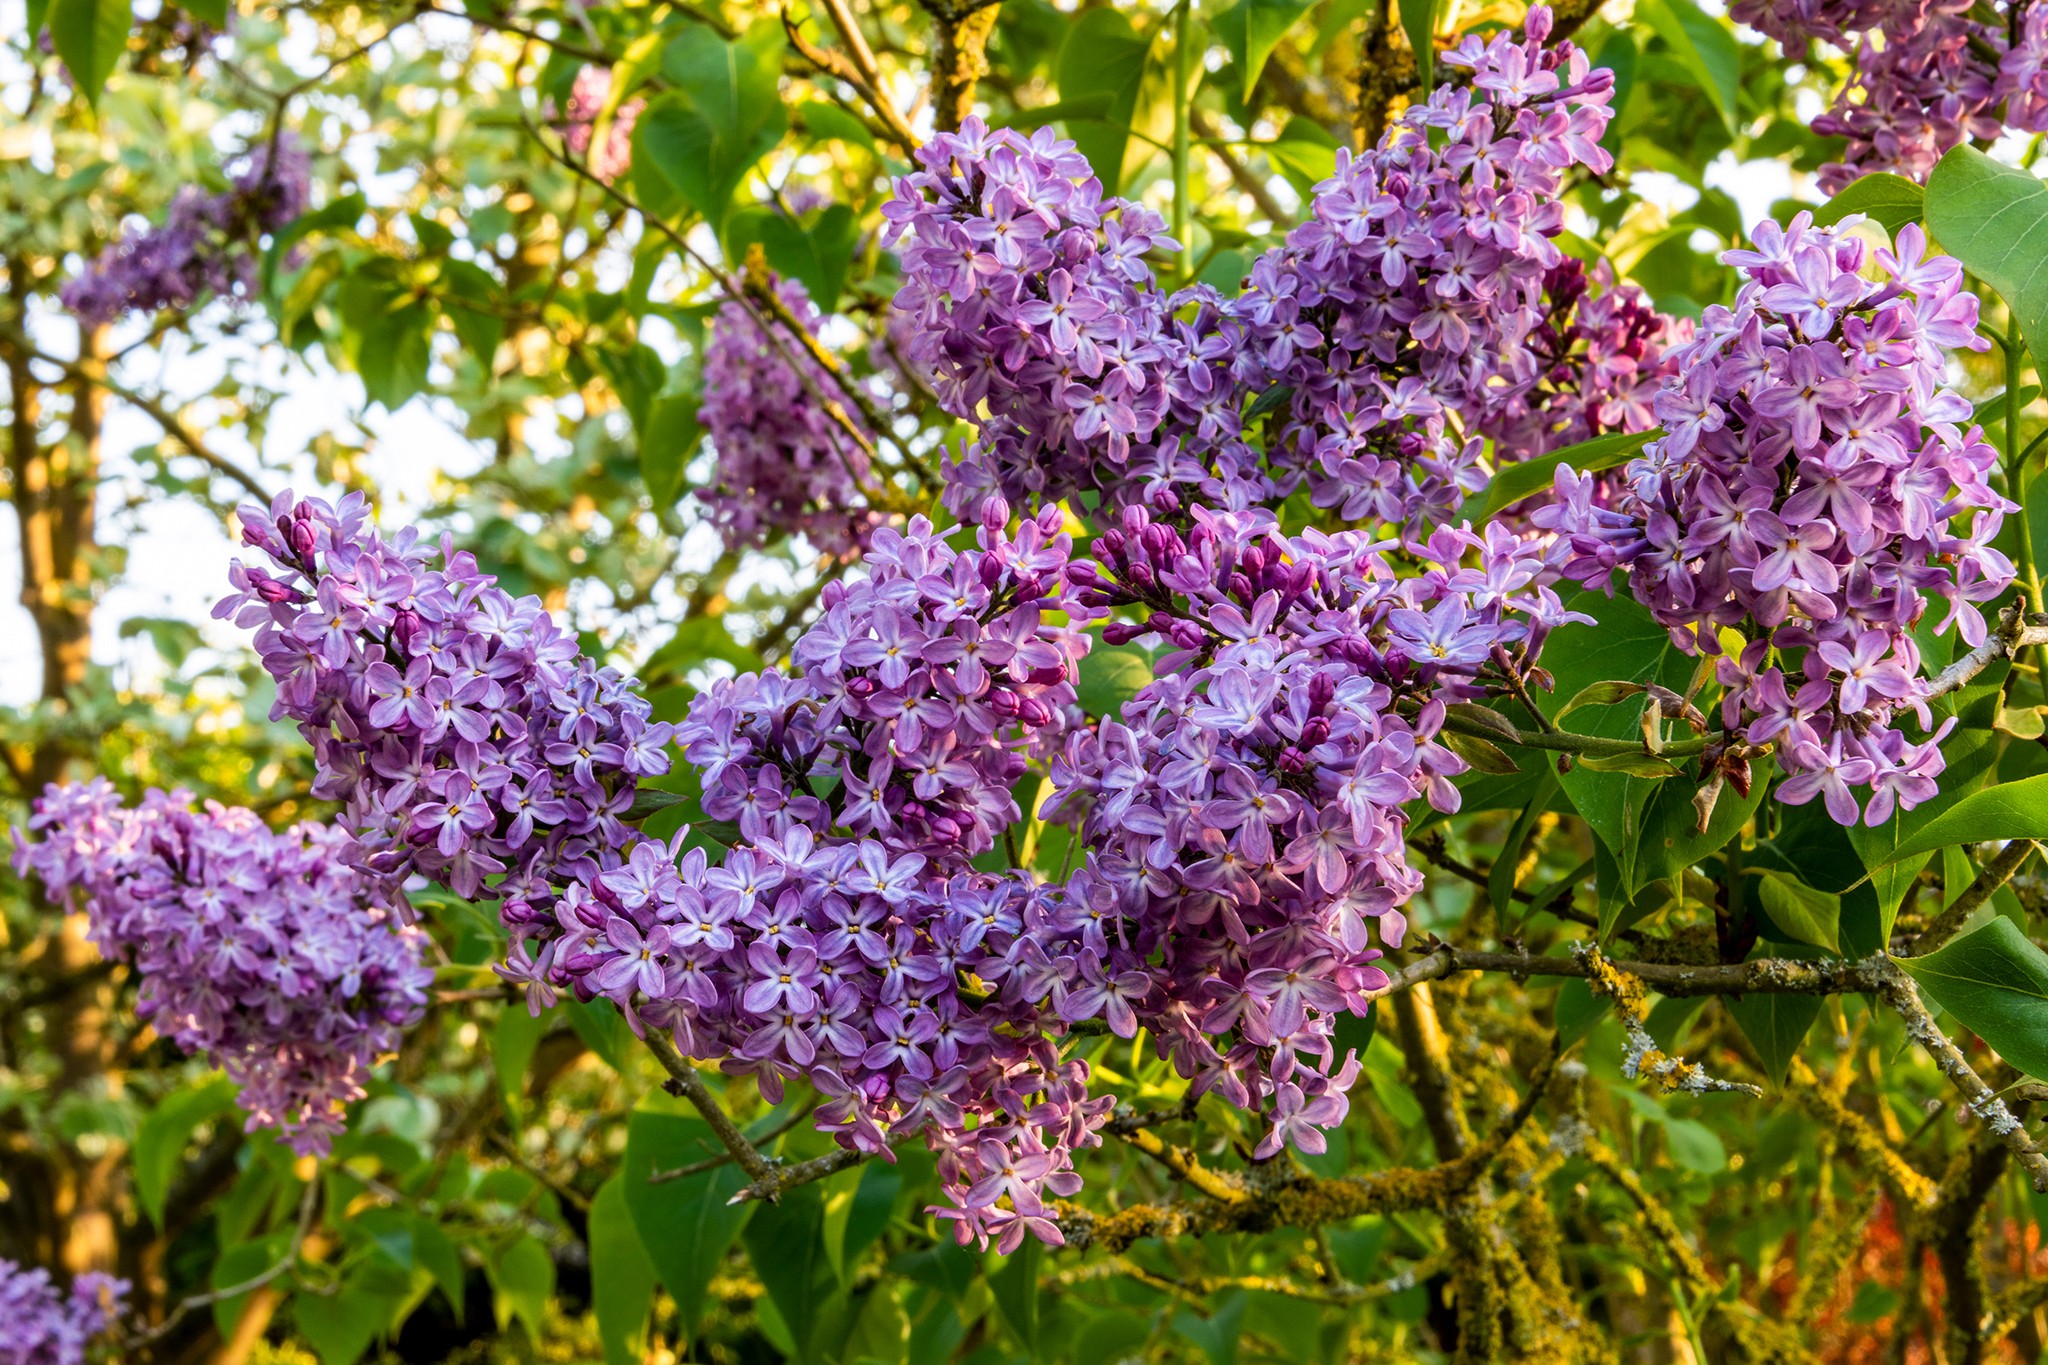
x: 463, y: 730
x: 1927, y: 77
x: 1038, y: 318
x: 259, y: 950
x: 207, y: 245
x: 1817, y: 485
x: 1405, y: 318
x: 1601, y: 351
x: 39, y: 1326
x: 785, y: 465
x: 847, y: 937
x: 1244, y: 818
x: 587, y: 95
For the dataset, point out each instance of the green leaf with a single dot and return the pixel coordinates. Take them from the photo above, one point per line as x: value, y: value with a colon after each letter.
x: 1891, y: 200
x: 785, y: 1241
x: 524, y: 1276
x: 1418, y: 21
x: 1624, y: 643
x: 1016, y: 1289
x: 1994, y: 219
x: 90, y: 35
x: 2006, y: 810
x: 1996, y: 982
x: 1971, y: 754
x: 1672, y: 840
x: 1103, y: 56
x: 724, y: 114
x: 685, y: 1225
x: 829, y: 123
x: 475, y: 305
x: 816, y: 252
x: 1111, y: 675
x: 667, y: 442
x: 342, y: 1325
x: 1801, y: 913
x: 1250, y: 29
x: 1705, y: 46
x: 1518, y: 481
x: 161, y: 1137
x: 211, y: 12
x: 435, y: 1250
x: 1500, y: 884
x: 386, y: 334
x: 513, y: 1040
x: 602, y: 1029
x: 621, y: 1276
x: 1775, y: 1025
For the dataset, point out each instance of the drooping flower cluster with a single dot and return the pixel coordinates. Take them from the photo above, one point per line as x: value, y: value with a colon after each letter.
x: 1927, y: 77
x: 207, y: 245
x: 463, y: 730
x: 261, y: 951
x: 1817, y: 483
x: 1035, y: 312
x: 785, y: 465
x: 38, y: 1326
x: 1243, y: 818
x: 587, y: 96
x: 847, y: 938
x: 1410, y: 314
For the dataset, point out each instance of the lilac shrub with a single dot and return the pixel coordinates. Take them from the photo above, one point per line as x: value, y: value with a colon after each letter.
x: 1927, y: 78
x: 464, y: 732
x: 207, y: 245
x: 39, y: 1326
x: 261, y: 951
x: 785, y: 465
x: 1244, y: 817
x: 1816, y: 485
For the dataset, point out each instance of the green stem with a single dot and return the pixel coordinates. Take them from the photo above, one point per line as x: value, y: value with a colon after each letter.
x: 1181, y: 95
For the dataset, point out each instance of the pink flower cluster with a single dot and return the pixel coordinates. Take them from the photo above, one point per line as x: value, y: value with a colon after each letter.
x: 261, y: 951
x: 38, y: 1326
x: 1816, y: 484
x: 462, y: 729
x: 1244, y: 818
x: 1927, y: 77
x: 614, y: 156
x: 785, y: 465
x: 207, y: 245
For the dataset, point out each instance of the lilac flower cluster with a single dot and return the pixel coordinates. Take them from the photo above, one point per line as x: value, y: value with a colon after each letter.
x: 462, y: 729
x: 206, y: 245
x: 1244, y: 819
x: 38, y: 1326
x: 1817, y: 481
x: 1927, y: 77
x: 846, y: 937
x: 785, y: 466
x: 1408, y: 315
x: 258, y: 950
x: 1600, y: 351
x: 1035, y: 312
x: 612, y: 158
